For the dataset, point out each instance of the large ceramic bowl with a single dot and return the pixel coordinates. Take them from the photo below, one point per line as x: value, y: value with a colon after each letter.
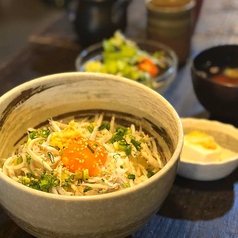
x: 216, y: 93
x: 116, y: 214
x: 158, y: 83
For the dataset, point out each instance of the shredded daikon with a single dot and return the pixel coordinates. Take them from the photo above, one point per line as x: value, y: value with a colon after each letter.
x: 101, y: 157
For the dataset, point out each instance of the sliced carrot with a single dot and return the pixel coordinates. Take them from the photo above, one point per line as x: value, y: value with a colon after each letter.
x: 148, y: 66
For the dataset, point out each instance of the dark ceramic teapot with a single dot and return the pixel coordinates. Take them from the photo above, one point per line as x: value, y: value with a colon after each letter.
x: 96, y: 20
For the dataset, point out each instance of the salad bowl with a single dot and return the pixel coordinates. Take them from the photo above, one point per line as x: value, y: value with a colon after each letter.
x: 150, y: 63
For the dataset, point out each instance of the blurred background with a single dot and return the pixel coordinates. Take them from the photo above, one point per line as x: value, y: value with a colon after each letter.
x: 19, y: 19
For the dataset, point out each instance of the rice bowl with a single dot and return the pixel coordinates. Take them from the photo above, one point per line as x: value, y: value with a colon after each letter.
x: 86, y: 157
x: 104, y: 215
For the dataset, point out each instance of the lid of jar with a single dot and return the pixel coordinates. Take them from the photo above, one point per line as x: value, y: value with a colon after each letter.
x: 170, y: 6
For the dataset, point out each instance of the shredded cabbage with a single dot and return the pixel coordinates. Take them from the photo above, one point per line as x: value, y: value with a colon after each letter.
x: 123, y: 57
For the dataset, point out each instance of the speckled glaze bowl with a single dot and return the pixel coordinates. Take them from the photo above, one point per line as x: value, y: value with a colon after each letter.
x: 115, y: 214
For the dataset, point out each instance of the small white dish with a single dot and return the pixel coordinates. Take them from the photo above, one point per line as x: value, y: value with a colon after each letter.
x: 225, y: 135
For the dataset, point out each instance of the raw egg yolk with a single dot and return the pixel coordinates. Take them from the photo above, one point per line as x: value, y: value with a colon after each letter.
x: 83, y: 154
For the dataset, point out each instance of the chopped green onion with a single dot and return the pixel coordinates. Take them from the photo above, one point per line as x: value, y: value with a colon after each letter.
x: 121, y: 130
x: 78, y: 175
x: 91, y: 149
x: 33, y: 135
x: 104, y: 126
x: 85, y: 174
x: 18, y: 160
x: 128, y: 150
x: 30, y: 175
x: 28, y: 159
x: 90, y: 129
x: 45, y: 133
x: 67, y: 184
x: 51, y: 157
x: 125, y: 185
x: 25, y: 180
x: 87, y: 189
x: 116, y: 137
x: 128, y: 131
x: 44, y: 183
x: 136, y: 143
x: 150, y: 174
x: 124, y: 146
x: 39, y: 133
x: 131, y: 176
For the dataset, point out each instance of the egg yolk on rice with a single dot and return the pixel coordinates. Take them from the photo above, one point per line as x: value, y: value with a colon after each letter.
x: 83, y: 154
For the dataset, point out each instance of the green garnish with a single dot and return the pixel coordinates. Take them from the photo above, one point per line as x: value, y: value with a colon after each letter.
x: 116, y: 137
x: 122, y: 145
x: 39, y: 134
x: 28, y: 159
x: 68, y: 181
x: 136, y: 143
x: 104, y: 126
x: 90, y: 129
x: 131, y: 176
x: 18, y: 160
x: 78, y: 175
x: 91, y: 149
x: 43, y: 183
x: 87, y: 189
x: 125, y: 185
x: 120, y: 132
x: 51, y: 157
x: 128, y: 150
x: 30, y: 175
x: 85, y: 174
x: 150, y: 174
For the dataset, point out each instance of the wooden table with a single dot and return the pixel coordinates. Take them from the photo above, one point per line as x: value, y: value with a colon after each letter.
x: 192, y: 208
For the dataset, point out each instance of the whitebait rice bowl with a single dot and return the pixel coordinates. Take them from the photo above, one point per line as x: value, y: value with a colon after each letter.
x: 86, y: 157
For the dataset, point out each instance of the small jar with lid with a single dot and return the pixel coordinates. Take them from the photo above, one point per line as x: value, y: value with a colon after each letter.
x: 171, y: 22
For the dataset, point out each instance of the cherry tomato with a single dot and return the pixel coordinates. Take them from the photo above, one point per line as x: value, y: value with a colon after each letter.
x: 148, y: 66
